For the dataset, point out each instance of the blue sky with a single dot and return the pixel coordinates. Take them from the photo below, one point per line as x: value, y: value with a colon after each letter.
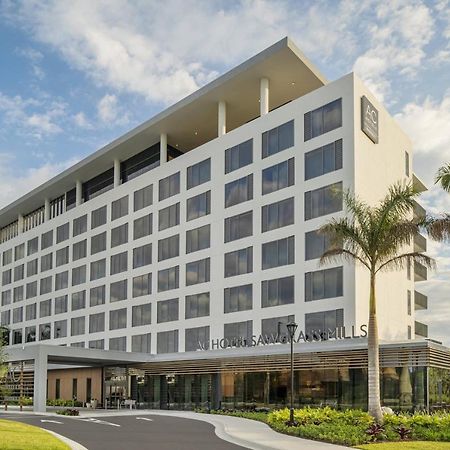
x: 75, y: 75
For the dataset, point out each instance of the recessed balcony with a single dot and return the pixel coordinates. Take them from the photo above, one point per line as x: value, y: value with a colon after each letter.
x: 420, y: 243
x: 420, y: 272
x: 421, y: 329
x: 420, y: 301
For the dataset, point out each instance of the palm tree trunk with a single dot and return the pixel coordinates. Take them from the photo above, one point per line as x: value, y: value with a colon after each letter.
x: 373, y: 357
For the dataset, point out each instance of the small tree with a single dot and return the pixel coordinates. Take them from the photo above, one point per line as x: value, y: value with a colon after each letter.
x: 3, y: 366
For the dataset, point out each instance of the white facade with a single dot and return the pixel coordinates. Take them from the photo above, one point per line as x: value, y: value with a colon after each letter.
x: 367, y: 169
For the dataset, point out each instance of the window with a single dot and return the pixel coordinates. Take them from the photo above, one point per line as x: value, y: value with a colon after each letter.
x: 31, y: 289
x: 409, y: 308
x: 322, y: 201
x: 61, y: 304
x: 169, y: 217
x: 119, y: 208
x: 239, y: 331
x: 198, y: 239
x: 279, y: 291
x: 119, y: 235
x: 278, y: 176
x: 142, y: 285
x: 45, y: 308
x: 45, y: 285
x: 409, y: 332
x: 143, y: 197
x: 98, y: 269
x: 98, y: 243
x: 46, y: 262
x: 169, y: 186
x: 31, y: 312
x: 278, y: 139
x: 17, y: 336
x: 326, y: 283
x: 323, y: 160
x: 239, y: 156
x: 407, y: 164
x: 169, y: 247
x: 97, y: 296
x: 167, y: 341
x: 197, y: 272
x: 278, y: 214
x: 62, y: 256
x: 324, y: 320
x: 198, y: 206
x: 6, y: 298
x: 278, y: 253
x: 79, y: 250
x: 79, y: 225
x: 168, y: 279
x: 30, y: 334
x: 141, y: 343
x: 316, y: 244
x: 99, y: 344
x: 119, y: 263
x: 142, y: 226
x: 142, y: 256
x: 78, y: 275
x: 32, y: 246
x: 7, y: 257
x: 77, y: 326
x: 323, y: 119
x: 19, y: 272
x: 62, y: 233
x: 5, y: 319
x: 77, y: 344
x: 239, y: 191
x: 141, y: 315
x: 196, y: 336
x: 6, y: 277
x: 98, y: 217
x: 118, y: 343
x: 118, y: 319
x: 74, y: 389
x: 60, y: 330
x: 32, y: 267
x: 18, y: 314
x: 118, y: 291
x: 276, y: 326
x: 47, y: 240
x: 198, y: 173
x: 78, y: 300
x: 167, y: 310
x: 197, y: 305
x: 96, y: 323
x: 239, y: 226
x: 239, y: 262
x: 19, y: 252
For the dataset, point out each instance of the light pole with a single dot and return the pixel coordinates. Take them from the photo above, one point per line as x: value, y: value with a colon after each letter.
x: 292, y: 328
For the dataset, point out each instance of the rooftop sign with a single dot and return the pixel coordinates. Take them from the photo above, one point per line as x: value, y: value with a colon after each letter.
x: 369, y: 119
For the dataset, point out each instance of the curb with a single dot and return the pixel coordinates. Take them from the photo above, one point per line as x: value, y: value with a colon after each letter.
x: 72, y: 444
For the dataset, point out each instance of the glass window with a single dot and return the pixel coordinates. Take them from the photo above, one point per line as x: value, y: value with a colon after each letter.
x: 141, y: 343
x: 62, y: 256
x: 31, y: 312
x: 60, y: 329
x: 197, y: 272
x: 167, y: 341
x: 78, y: 300
x: 323, y: 201
x: 61, y: 304
x: 197, y: 305
x: 239, y: 226
x: 239, y: 331
x: 61, y: 280
x: 98, y: 217
x: 30, y: 334
x: 119, y: 263
x: 18, y: 314
x: 45, y: 285
x: 168, y: 279
x: 98, y: 269
x: 324, y: 320
x: 98, y: 243
x: 79, y: 250
x: 316, y: 244
x: 409, y: 302
x: 278, y: 253
x: 6, y: 298
x: 32, y: 267
x: 169, y: 186
x: 118, y: 291
x: 142, y: 226
x: 6, y: 277
x: 119, y: 208
x: 17, y: 336
x: 118, y: 319
x: 196, y: 337
x: 279, y: 291
x: 142, y: 256
x: 167, y: 310
x: 326, y: 283
x: 47, y: 240
x: 19, y: 272
x: 98, y: 344
x: 19, y: 252
x: 407, y: 164
x: 278, y: 176
x: 198, y: 173
x: 77, y: 326
x: 118, y: 343
x: 143, y: 197
x: 239, y: 191
x: 277, y: 215
x: 142, y: 285
x: 323, y: 160
x: 32, y: 246
x: 239, y: 262
x: 168, y: 247
x: 198, y: 206
x: 169, y: 217
x: 5, y: 321
x: 141, y: 315
x: 198, y: 239
x: 62, y: 233
x: 7, y: 257
x: 78, y: 275
x: 119, y: 235
x: 239, y: 156
x: 323, y: 119
x: 31, y: 289
x: 79, y: 225
x: 45, y: 308
x: 276, y: 326
x: 278, y: 139
x: 46, y: 262
x: 97, y: 295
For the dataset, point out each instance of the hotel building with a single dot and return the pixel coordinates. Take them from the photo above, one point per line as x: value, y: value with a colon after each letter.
x: 164, y: 266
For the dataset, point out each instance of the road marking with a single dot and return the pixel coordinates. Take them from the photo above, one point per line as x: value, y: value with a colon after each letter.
x: 51, y: 421
x: 144, y: 418
x: 102, y: 422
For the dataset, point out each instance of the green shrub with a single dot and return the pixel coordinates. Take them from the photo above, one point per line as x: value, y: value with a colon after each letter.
x: 68, y: 412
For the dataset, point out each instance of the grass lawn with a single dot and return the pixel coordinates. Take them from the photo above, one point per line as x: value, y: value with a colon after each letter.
x: 412, y: 445
x: 18, y: 436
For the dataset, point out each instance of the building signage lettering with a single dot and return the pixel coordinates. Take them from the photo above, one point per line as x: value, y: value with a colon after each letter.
x: 369, y: 119
x: 278, y: 338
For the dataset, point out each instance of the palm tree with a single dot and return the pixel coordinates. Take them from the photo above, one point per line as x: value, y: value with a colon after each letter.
x: 376, y: 237
x: 443, y: 177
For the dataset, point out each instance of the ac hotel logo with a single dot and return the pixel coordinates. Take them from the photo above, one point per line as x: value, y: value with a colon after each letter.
x: 369, y: 119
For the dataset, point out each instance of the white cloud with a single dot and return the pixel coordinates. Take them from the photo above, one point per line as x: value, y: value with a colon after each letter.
x: 109, y: 111
x: 35, y: 57
x: 81, y: 121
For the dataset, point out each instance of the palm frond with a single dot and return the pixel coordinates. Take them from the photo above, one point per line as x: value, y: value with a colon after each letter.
x: 339, y: 254
x: 399, y: 262
x: 438, y: 228
x: 443, y: 177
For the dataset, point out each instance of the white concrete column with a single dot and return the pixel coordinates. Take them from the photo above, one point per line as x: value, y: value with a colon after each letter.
x: 163, y: 148
x: 222, y: 118
x: 116, y: 173
x: 264, y: 96
x: 20, y: 223
x: 78, y: 193
x: 40, y: 381
x: 47, y: 209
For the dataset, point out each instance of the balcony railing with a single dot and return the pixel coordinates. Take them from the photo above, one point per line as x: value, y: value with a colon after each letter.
x: 420, y: 243
x: 421, y: 329
x: 420, y: 301
x: 420, y: 272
